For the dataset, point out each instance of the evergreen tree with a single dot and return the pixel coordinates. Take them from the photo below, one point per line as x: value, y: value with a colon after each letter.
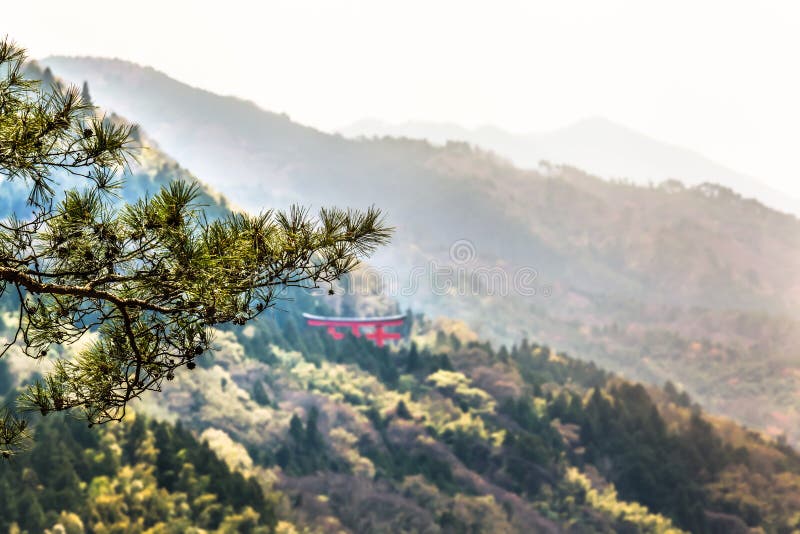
x: 30, y: 513
x: 51, y: 483
x: 402, y: 410
x: 412, y: 363
x: 408, y: 324
x: 8, y: 504
x: 260, y: 394
x: 48, y: 80
x: 296, y: 431
x: 135, y: 436
x: 86, y: 98
x: 313, y: 437
x: 156, y: 275
x: 502, y: 354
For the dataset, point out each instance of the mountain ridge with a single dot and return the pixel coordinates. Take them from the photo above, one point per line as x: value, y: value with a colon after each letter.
x: 678, y: 283
x: 595, y: 144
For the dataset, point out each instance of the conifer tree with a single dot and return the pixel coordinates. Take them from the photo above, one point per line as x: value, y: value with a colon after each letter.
x: 313, y: 437
x: 260, y: 394
x: 402, y: 410
x: 86, y: 97
x: 47, y: 78
x: 152, y: 278
x: 413, y: 361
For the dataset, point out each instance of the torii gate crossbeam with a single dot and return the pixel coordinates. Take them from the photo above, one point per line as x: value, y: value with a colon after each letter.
x: 355, y: 324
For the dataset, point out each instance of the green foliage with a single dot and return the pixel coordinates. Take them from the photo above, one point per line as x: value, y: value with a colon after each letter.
x: 603, y: 459
x: 132, y: 477
x: 260, y: 394
x: 566, y: 413
x: 680, y: 398
x: 664, y: 471
x: 150, y: 277
x: 86, y: 98
x: 396, y: 462
x: 412, y: 361
x: 362, y: 352
x: 401, y: 410
x: 305, y: 452
x: 633, y: 514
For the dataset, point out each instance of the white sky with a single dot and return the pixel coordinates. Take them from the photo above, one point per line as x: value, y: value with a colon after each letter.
x: 720, y: 77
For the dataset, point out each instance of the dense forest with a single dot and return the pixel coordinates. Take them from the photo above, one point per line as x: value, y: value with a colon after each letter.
x: 541, y: 424
x: 442, y: 435
x: 136, y: 477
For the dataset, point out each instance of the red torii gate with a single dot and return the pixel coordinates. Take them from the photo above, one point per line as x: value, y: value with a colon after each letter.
x: 355, y: 324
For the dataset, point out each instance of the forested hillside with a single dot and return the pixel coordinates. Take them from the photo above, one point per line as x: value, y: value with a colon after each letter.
x: 445, y: 432
x: 595, y: 144
x: 443, y: 435
x: 691, y: 284
x: 133, y: 477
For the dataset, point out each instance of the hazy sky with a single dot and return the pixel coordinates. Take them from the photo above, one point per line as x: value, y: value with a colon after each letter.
x: 721, y: 77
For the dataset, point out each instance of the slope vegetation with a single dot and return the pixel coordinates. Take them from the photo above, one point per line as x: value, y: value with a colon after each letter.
x: 692, y: 284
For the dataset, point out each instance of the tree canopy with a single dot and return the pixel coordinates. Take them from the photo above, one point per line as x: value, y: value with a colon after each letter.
x: 144, y: 282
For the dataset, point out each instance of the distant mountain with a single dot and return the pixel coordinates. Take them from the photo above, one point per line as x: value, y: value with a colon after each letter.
x: 596, y: 145
x: 692, y: 284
